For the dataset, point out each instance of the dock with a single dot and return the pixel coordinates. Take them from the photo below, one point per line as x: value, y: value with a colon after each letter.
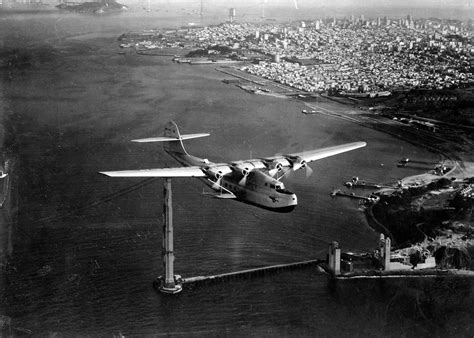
x: 363, y: 184
x: 358, y: 183
x: 339, y: 192
x: 417, y: 164
x: 230, y: 71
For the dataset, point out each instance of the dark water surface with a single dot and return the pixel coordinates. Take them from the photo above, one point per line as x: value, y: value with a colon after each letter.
x: 82, y: 249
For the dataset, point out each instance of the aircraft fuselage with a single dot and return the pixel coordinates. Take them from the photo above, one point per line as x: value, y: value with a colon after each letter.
x: 258, y: 188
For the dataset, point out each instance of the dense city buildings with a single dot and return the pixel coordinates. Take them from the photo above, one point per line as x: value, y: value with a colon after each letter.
x: 356, y: 55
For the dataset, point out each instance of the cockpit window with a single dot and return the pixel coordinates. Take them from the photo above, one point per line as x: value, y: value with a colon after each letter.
x: 278, y: 187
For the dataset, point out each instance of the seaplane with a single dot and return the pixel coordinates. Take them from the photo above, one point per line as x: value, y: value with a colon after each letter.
x: 254, y: 181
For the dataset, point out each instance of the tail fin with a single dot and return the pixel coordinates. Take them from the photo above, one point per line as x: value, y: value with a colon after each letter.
x: 173, y: 140
x: 172, y: 131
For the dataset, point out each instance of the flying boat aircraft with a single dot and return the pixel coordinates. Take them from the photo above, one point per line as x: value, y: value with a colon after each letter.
x: 254, y: 181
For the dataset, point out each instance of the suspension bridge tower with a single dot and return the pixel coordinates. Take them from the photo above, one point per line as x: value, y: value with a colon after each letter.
x: 169, y: 282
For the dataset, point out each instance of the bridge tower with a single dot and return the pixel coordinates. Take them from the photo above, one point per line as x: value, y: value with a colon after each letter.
x: 169, y: 283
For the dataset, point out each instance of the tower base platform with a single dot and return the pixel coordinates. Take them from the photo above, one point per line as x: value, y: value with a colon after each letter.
x: 170, y: 288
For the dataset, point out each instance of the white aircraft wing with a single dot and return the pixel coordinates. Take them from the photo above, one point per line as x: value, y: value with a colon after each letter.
x: 313, y: 155
x: 160, y: 172
x: 300, y: 160
x: 168, y: 139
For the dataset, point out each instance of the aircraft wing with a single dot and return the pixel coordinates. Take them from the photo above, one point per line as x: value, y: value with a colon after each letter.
x: 300, y: 160
x: 160, y: 172
x: 313, y: 155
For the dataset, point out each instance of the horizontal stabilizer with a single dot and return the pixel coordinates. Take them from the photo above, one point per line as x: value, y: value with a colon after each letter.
x: 168, y: 139
x: 160, y: 172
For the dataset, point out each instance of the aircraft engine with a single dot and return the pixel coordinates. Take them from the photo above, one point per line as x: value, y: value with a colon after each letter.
x: 245, y: 169
x: 219, y: 171
x: 276, y: 165
x: 299, y: 163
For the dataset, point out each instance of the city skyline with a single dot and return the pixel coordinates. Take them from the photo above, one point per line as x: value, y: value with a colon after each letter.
x: 466, y: 4
x: 454, y: 9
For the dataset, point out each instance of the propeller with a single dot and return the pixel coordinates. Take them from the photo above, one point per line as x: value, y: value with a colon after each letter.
x: 218, y: 180
x: 274, y: 171
x: 308, y: 171
x: 300, y: 163
x: 245, y: 173
x: 293, y: 163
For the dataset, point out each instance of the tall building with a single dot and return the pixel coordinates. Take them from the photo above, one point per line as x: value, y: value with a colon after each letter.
x: 231, y: 14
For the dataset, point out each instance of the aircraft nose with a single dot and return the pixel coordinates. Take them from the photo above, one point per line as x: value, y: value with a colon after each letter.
x: 294, y: 199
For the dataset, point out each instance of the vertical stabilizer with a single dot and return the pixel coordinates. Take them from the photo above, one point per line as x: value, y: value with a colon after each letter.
x: 176, y: 147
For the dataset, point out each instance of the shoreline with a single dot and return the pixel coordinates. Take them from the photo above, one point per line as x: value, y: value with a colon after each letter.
x: 374, y: 223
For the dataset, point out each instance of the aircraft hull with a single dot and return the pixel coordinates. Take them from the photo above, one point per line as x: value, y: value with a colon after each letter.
x: 268, y: 199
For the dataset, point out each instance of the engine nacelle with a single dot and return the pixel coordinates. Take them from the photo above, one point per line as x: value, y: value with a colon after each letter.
x: 279, y: 163
x: 245, y: 167
x: 219, y: 171
x: 297, y: 163
x: 300, y: 163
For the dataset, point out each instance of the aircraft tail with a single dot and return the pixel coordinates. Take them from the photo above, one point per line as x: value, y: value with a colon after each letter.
x: 173, y: 140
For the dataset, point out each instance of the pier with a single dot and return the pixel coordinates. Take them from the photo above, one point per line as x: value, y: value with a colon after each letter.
x: 246, y: 77
x: 339, y: 192
x: 358, y: 183
x: 417, y: 164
